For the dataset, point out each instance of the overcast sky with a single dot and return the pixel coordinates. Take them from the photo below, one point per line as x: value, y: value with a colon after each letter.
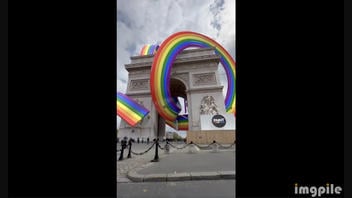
x: 141, y: 22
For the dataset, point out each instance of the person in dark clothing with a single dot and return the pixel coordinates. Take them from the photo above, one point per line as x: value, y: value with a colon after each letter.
x: 148, y: 140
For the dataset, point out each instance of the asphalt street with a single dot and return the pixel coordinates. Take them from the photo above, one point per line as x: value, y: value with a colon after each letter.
x: 184, y: 189
x: 185, y: 162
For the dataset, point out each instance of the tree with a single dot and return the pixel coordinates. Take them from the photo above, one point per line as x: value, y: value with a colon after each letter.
x: 176, y: 137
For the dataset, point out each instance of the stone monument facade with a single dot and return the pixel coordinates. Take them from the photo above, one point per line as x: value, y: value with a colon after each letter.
x: 196, y: 71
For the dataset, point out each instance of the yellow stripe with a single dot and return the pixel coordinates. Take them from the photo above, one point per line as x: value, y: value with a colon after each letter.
x: 132, y: 115
x: 147, y: 49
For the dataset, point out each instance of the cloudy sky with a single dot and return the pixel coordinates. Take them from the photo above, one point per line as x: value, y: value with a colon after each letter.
x: 141, y: 22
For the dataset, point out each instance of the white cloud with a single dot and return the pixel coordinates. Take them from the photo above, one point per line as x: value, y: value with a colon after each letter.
x: 152, y: 21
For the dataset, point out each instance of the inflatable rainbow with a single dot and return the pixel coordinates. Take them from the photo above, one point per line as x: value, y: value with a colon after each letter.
x: 149, y: 49
x: 161, y: 68
x: 182, y: 122
x: 129, y: 110
x: 171, y: 124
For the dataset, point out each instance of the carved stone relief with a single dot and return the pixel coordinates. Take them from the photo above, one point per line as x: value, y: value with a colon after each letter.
x: 204, y: 79
x: 208, y: 106
x: 139, y: 84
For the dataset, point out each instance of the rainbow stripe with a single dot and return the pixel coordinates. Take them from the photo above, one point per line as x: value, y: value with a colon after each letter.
x: 171, y: 124
x: 182, y: 122
x: 149, y: 49
x: 129, y: 110
x: 161, y: 68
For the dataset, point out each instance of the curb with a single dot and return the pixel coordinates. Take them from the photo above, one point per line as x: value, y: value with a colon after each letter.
x: 164, y: 177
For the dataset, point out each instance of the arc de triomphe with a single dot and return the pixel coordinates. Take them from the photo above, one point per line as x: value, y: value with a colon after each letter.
x: 194, y: 77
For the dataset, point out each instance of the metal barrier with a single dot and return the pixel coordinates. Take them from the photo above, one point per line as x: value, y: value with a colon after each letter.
x: 214, y: 146
x: 176, y: 146
x: 134, y: 153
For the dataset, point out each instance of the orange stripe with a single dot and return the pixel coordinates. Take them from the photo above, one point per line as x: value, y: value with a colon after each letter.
x: 126, y: 118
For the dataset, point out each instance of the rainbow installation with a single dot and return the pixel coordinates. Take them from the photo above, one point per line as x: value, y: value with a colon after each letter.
x: 182, y: 122
x: 161, y: 68
x: 148, y: 50
x: 129, y: 110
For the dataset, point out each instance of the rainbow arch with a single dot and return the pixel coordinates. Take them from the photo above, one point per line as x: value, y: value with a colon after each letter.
x: 163, y: 61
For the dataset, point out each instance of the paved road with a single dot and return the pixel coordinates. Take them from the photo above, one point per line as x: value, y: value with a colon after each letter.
x: 185, y: 162
x: 137, y: 160
x: 185, y: 189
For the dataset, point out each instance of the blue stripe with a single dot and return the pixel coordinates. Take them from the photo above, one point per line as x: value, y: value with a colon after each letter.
x: 132, y: 104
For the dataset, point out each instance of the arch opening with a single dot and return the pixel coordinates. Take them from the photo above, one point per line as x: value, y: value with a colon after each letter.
x: 178, y: 91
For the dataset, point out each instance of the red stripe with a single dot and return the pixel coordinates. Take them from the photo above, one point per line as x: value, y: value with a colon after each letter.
x: 152, y: 79
x: 142, y: 51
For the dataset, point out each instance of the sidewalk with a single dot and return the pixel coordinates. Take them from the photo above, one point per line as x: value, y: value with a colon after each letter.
x: 179, y: 165
x: 128, y: 164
